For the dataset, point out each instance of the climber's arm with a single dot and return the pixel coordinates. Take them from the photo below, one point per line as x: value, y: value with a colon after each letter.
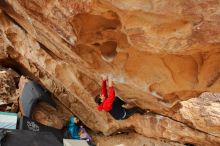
x: 107, y: 104
x: 104, y: 90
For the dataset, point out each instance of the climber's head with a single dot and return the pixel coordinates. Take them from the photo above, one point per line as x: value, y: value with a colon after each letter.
x: 99, y: 99
x: 76, y: 120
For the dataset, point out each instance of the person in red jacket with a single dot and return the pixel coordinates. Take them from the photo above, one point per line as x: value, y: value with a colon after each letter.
x: 113, y: 104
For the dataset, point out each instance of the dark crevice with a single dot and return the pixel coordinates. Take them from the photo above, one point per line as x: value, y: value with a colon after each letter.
x: 96, y: 44
x: 189, y: 144
x: 7, y: 10
x: 124, y: 131
x: 10, y: 63
x: 13, y: 21
x: 49, y: 52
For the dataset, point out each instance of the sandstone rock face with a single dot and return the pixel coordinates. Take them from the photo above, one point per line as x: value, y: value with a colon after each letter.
x: 160, y: 53
x: 51, y: 116
x: 131, y: 139
x: 202, y: 112
x: 8, y: 90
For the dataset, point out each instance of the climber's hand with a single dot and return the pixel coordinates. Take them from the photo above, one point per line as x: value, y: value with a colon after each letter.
x: 82, y: 135
x: 104, y: 77
x: 110, y: 81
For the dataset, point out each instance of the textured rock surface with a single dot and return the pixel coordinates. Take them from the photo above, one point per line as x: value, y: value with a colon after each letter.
x: 202, y: 113
x: 8, y: 93
x: 50, y: 116
x: 131, y: 139
x: 159, y: 52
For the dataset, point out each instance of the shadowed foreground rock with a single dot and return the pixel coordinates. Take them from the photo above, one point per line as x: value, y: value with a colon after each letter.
x: 162, y: 54
x: 50, y: 116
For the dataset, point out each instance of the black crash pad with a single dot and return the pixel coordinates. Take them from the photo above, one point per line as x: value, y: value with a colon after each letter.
x: 31, y: 94
x: 28, y: 138
x: 26, y: 123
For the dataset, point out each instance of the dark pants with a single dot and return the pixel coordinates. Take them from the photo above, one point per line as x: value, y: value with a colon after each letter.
x: 118, y: 111
x: 132, y: 111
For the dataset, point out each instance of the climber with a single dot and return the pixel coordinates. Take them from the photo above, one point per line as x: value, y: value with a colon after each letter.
x: 73, y: 127
x: 113, y: 104
x: 78, y: 132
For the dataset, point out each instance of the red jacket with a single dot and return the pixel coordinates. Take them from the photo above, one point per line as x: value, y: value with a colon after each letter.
x: 109, y: 99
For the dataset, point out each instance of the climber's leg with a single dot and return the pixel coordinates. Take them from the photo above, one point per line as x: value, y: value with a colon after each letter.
x: 130, y: 112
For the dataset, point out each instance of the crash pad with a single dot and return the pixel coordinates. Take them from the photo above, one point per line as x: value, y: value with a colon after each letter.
x: 31, y: 94
x: 29, y: 138
x: 8, y: 120
x: 26, y: 123
x: 72, y: 142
